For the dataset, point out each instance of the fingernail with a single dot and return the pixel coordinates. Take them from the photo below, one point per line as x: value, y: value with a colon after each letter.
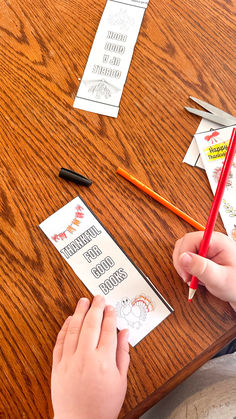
x: 127, y: 338
x: 99, y: 298
x: 110, y: 308
x: 186, y: 259
x: 83, y: 300
x: 67, y: 321
x: 126, y: 333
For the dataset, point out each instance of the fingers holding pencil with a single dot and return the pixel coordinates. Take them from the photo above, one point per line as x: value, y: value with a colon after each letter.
x: 217, y: 272
x: 208, y: 230
x: 215, y: 207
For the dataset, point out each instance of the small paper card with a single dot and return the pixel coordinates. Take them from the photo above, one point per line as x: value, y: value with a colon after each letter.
x: 192, y: 156
x: 213, y: 146
x: 106, y: 71
x: 105, y: 269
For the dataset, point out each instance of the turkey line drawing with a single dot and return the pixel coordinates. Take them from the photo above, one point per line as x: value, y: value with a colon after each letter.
x: 135, y: 310
x: 100, y: 88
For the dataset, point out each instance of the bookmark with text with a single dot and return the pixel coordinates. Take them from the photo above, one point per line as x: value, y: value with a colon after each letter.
x: 105, y: 269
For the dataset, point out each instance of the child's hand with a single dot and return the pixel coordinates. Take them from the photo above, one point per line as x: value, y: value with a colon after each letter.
x: 217, y: 273
x: 90, y: 364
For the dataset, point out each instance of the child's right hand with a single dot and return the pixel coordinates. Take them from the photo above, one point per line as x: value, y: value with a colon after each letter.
x: 217, y: 272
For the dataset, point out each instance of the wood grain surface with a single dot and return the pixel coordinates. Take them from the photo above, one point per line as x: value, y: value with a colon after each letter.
x: 184, y: 48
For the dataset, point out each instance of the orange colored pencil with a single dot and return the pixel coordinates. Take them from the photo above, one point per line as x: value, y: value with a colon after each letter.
x: 159, y: 198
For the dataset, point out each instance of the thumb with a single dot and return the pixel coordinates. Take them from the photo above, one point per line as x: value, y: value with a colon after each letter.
x: 208, y: 272
x: 122, y: 353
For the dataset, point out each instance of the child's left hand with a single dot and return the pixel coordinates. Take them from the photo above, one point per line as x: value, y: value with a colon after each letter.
x: 90, y: 364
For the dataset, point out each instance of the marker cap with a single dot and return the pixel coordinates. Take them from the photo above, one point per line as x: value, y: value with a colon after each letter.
x: 74, y: 177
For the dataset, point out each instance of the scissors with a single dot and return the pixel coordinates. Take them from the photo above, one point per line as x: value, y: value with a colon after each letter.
x: 214, y: 114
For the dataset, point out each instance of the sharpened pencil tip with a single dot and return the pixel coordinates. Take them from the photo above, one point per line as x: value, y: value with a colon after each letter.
x: 191, y: 294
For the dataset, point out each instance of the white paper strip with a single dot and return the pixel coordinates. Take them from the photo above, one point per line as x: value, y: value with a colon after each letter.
x: 105, y: 269
x: 106, y: 71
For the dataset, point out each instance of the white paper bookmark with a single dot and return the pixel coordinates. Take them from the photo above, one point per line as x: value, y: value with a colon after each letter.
x: 213, y: 146
x: 106, y: 71
x: 105, y: 269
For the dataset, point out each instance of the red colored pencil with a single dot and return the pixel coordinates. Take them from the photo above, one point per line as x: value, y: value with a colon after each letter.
x: 215, y: 207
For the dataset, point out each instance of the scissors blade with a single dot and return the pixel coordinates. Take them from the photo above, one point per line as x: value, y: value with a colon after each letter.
x: 214, y: 110
x: 222, y: 120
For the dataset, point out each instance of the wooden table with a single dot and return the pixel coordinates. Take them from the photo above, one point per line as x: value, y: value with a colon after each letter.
x: 184, y: 48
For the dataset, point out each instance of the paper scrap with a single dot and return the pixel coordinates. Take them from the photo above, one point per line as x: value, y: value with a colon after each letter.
x: 105, y: 269
x: 213, y: 146
x: 106, y: 71
x: 192, y: 156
